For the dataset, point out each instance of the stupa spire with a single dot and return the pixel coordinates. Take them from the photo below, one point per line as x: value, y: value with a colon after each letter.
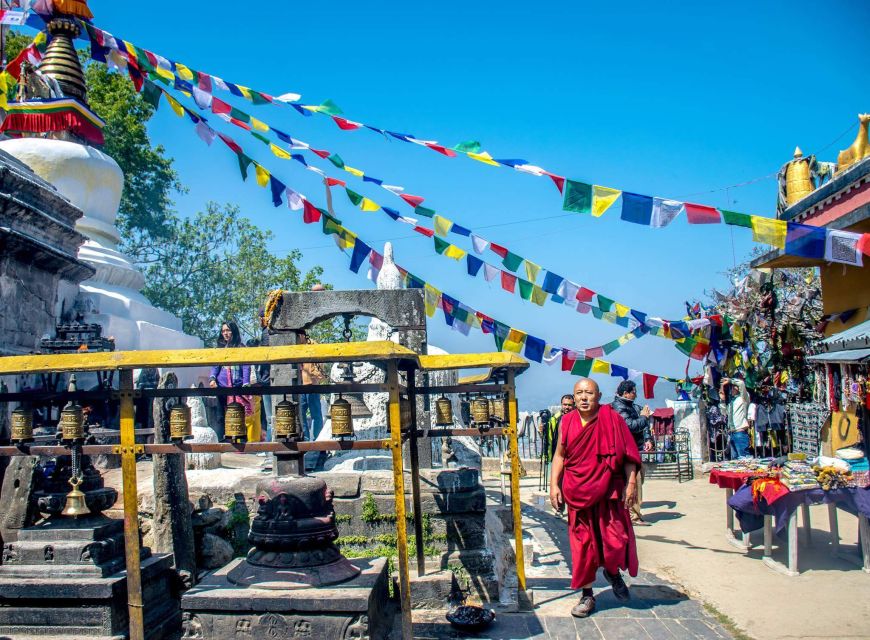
x: 61, y: 62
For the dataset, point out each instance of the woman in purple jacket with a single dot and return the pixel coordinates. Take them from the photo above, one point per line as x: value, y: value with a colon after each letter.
x: 226, y: 376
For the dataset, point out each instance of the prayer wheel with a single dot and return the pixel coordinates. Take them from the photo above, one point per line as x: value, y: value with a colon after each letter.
x: 235, y: 429
x: 72, y: 423
x: 405, y: 413
x: 499, y: 409
x: 286, y: 420
x: 443, y: 412
x: 22, y: 426
x: 342, y: 421
x: 480, y: 412
x: 180, y: 428
x: 798, y: 179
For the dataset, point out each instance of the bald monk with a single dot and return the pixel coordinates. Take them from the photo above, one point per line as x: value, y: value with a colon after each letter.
x: 594, y: 473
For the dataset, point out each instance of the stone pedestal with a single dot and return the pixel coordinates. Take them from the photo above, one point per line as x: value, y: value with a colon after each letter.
x: 65, y: 578
x: 358, y: 608
x: 689, y: 415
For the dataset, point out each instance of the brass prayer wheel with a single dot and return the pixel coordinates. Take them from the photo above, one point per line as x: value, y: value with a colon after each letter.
x: 72, y: 423
x: 179, y: 423
x: 22, y: 426
x: 342, y: 422
x: 443, y: 412
x: 480, y: 412
x: 234, y: 423
x: 286, y: 420
x: 499, y: 409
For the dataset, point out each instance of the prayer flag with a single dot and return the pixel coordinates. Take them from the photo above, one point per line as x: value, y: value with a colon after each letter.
x: 539, y: 296
x: 346, y: 125
x: 483, y: 157
x: 474, y: 264
x: 279, y: 152
x: 311, y: 213
x: 354, y: 197
x: 470, y: 146
x: 440, y: 245
x: 294, y: 200
x: 769, y: 231
x: 702, y: 214
x: 176, y: 106
x: 490, y: 272
x: 369, y: 205
x: 498, y: 249
x: 842, y: 246
x: 582, y: 368
x: 479, y: 244
x: 431, y: 299
x: 649, y: 383
x: 360, y: 254
x: 454, y: 252
x: 621, y: 310
x: 514, y: 341
x: 460, y: 230
x: 578, y: 197
x: 277, y: 188
x: 594, y: 352
x: 534, y: 348
x: 864, y: 244
x: 737, y: 219
x: 604, y: 303
x: 664, y: 212
x: 532, y: 270
x: 600, y: 366
x: 603, y: 198
x: 414, y: 201
x: 551, y: 355
x: 512, y: 261
x: 559, y: 181
x: 424, y: 211
x: 425, y: 231
x: 636, y: 208
x: 244, y: 163
x: 553, y: 283
x: 354, y: 172
x: 442, y: 225
x: 205, y: 132
x: 335, y: 159
x: 259, y: 125
x: 508, y: 281
x: 525, y: 289
x: 618, y: 372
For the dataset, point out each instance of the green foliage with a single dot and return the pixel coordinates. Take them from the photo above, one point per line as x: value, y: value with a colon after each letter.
x: 343, y: 517
x: 15, y: 42
x: 370, y: 511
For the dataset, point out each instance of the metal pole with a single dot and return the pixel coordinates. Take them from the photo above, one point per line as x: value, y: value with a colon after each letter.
x: 131, y: 508
x: 395, y: 417
x: 515, y: 479
x: 415, y: 478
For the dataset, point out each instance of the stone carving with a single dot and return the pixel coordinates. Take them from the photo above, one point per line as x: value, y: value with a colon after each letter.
x: 9, y: 553
x: 191, y: 625
x: 48, y: 553
x: 202, y: 433
x: 448, y: 456
x: 358, y: 629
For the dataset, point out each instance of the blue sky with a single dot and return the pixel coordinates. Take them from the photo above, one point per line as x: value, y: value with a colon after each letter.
x: 668, y: 99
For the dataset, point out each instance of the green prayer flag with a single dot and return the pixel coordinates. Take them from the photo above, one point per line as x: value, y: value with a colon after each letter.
x: 578, y: 197
x: 424, y: 211
x: 582, y: 368
x: 142, y: 60
x: 331, y: 225
x: 336, y: 160
x: 737, y: 219
x: 526, y: 289
x: 440, y: 244
x: 469, y: 146
x: 605, y: 304
x: 258, y: 98
x: 239, y: 115
x: 244, y: 163
x: 354, y: 197
x: 460, y: 314
x: 151, y: 94
x: 328, y: 106
x: 261, y: 137
x: 512, y: 261
x: 611, y: 346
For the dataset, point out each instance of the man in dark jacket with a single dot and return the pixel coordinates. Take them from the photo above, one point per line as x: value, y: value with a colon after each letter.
x: 639, y: 424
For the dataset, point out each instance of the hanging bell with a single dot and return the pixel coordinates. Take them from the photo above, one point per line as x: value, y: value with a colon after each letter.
x: 499, y: 409
x: 342, y: 420
x: 235, y: 429
x: 443, y: 412
x: 286, y: 420
x: 75, y: 500
x: 480, y: 412
x: 179, y: 423
x: 22, y: 426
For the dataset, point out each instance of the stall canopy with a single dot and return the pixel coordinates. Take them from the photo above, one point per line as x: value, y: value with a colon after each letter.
x: 851, y: 345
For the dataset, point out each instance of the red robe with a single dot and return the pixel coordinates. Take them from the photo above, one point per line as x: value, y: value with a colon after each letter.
x: 593, y: 481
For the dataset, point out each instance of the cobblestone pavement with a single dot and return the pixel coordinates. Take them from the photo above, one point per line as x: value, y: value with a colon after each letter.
x: 657, y: 610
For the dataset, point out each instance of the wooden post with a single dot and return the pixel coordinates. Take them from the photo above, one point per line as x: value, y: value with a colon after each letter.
x: 415, y: 477
x: 515, y: 479
x: 131, y: 508
x: 395, y: 420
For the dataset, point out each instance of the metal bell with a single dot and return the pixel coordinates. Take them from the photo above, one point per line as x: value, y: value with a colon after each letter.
x: 75, y: 500
x: 235, y: 429
x: 179, y: 423
x: 480, y: 412
x: 443, y: 412
x: 342, y: 421
x: 286, y: 420
x: 22, y: 426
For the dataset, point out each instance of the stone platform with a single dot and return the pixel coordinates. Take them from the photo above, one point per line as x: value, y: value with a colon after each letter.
x: 359, y: 608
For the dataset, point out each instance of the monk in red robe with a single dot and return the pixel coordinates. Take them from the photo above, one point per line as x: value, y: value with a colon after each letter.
x: 594, y: 473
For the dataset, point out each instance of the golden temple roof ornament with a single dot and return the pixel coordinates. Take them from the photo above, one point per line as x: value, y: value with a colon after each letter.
x: 61, y: 61
x: 859, y: 149
x: 798, y: 178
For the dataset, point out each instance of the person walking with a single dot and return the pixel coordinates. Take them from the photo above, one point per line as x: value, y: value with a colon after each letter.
x: 595, y: 474
x: 735, y: 397
x: 229, y: 376
x: 638, y: 421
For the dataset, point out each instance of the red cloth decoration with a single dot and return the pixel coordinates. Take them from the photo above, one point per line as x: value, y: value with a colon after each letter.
x: 559, y: 181
x: 702, y: 214
x: 450, y: 153
x: 414, y: 201
x: 219, y: 106
x: 864, y: 244
x: 345, y: 125
x: 508, y: 281
x: 230, y: 143
x: 585, y: 295
x: 319, y: 153
x: 17, y: 123
x: 425, y: 231
x: 729, y: 479
x: 310, y: 213
x: 331, y: 182
x: 649, y: 383
x: 497, y: 248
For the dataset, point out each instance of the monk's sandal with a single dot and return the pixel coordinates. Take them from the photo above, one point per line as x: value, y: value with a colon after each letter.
x: 584, y: 608
x: 620, y: 589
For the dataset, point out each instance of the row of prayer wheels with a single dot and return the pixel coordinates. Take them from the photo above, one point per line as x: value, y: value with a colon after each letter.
x: 71, y: 425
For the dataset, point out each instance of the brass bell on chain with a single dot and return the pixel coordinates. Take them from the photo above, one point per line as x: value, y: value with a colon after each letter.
x: 235, y: 429
x: 22, y: 426
x: 286, y: 420
x: 180, y: 428
x: 480, y: 412
x: 75, y: 500
x: 342, y: 421
x: 443, y: 412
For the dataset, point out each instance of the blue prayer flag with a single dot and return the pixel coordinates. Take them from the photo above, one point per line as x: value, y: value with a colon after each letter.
x: 804, y: 240
x: 617, y: 371
x: 278, y: 189
x: 474, y: 264
x: 552, y: 282
x: 534, y: 348
x: 377, y: 181
x: 395, y: 215
x: 636, y: 208
x: 360, y: 254
x: 460, y: 230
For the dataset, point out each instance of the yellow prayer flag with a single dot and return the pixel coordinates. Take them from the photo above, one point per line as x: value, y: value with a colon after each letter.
x: 40, y: 38
x: 431, y: 298
x: 539, y: 296
x: 4, y: 87
x: 278, y: 151
x: 166, y: 74
x: 621, y: 309
x: 452, y: 251
x: 262, y: 176
x: 184, y: 72
x: 176, y: 106
x: 532, y: 270
x: 355, y: 172
x: 259, y: 125
x: 442, y: 225
x: 245, y: 92
x: 483, y: 157
x: 369, y: 205
x: 514, y: 341
x: 600, y: 366
x: 769, y: 231
x: 602, y: 199
x: 346, y: 239
x: 737, y: 333
x: 311, y: 107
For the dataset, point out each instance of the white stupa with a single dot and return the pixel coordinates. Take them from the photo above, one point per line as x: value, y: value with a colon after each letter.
x: 93, y: 182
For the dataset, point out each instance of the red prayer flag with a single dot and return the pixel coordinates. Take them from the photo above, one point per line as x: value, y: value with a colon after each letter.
x: 376, y: 260
x: 508, y: 281
x: 346, y: 125
x: 240, y: 124
x: 594, y: 352
x: 559, y: 181
x: 450, y: 153
x: 864, y: 244
x: 331, y: 182
x: 425, y: 231
x: 230, y: 143
x: 567, y: 361
x: 203, y: 80
x: 497, y: 248
x: 702, y: 214
x: 152, y: 59
x: 219, y: 106
x: 649, y: 382
x: 414, y: 201
x: 584, y: 294
x: 310, y: 213
x: 319, y: 153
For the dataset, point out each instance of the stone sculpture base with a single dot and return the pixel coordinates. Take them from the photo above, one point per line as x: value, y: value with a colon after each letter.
x: 359, y: 608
